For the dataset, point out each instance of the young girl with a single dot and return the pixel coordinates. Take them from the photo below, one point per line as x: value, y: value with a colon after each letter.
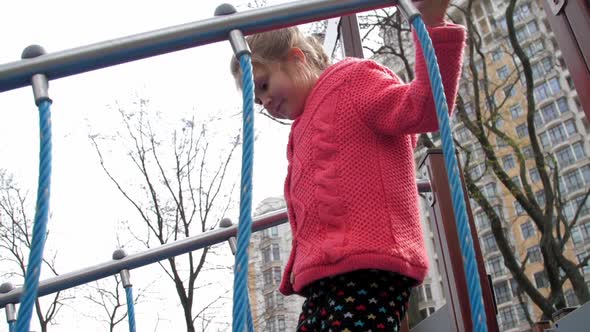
x: 351, y: 185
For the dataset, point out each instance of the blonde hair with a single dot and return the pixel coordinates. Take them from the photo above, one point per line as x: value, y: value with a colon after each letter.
x: 272, y: 47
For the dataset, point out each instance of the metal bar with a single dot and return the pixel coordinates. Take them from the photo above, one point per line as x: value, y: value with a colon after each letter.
x: 351, y: 37
x: 135, y: 47
x: 80, y: 277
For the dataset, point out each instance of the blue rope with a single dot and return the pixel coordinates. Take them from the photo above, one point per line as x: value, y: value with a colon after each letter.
x: 130, y: 308
x: 241, y: 309
x: 31, y: 285
x: 11, y: 326
x: 473, y: 283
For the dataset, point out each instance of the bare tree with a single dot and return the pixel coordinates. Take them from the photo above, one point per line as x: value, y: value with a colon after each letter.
x: 483, y: 107
x: 15, y: 244
x: 181, y: 191
x: 109, y: 297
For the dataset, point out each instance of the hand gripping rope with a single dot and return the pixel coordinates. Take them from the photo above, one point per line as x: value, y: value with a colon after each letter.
x: 442, y: 112
x: 31, y: 286
x: 241, y: 311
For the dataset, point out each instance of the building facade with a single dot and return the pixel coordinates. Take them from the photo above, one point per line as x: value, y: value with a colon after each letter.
x: 560, y: 125
x: 269, y: 252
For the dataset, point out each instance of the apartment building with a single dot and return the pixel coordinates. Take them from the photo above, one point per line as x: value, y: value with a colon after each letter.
x: 562, y: 129
x: 269, y: 252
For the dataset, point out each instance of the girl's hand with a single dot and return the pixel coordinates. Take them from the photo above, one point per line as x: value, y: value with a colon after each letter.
x: 432, y: 11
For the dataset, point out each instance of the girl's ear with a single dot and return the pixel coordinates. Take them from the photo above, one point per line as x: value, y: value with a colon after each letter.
x: 296, y: 54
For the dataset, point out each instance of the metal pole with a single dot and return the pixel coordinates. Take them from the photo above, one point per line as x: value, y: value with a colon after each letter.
x: 80, y: 277
x: 83, y: 276
x: 135, y: 47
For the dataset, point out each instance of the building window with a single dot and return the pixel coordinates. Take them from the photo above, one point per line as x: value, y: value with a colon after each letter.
x: 565, y: 156
x: 534, y: 254
x: 269, y: 301
x: 274, y: 231
x: 496, y: 55
x: 534, y: 175
x: 507, y: 318
x: 571, y: 299
x: 547, y: 64
x: 271, y: 325
x: 503, y: 72
x: 586, y: 267
x: 540, y: 197
x: 267, y: 276
x: 586, y: 173
x: 562, y: 105
x: 528, y: 152
x: 578, y: 150
x: 515, y: 288
x: 516, y: 180
x: 489, y: 191
x: 281, y: 321
x: 557, y: 134
x: 476, y: 171
x: 428, y: 292
x: 518, y: 209
x: 489, y: 243
x: 280, y: 299
x: 509, y: 91
x: 541, y: 279
x: 522, y: 12
x: 502, y: 291
x: 266, y: 255
x: 496, y: 266
x: 527, y: 229
x: 418, y: 294
x: 522, y: 130
x: 573, y: 180
x: 508, y: 162
x: 482, y: 221
x: 276, y: 274
x: 276, y: 252
x: 516, y: 111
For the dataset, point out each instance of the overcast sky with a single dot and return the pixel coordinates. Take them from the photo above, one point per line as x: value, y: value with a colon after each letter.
x: 84, y: 204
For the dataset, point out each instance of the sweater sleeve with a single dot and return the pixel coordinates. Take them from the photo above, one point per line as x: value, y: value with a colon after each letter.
x: 391, y: 107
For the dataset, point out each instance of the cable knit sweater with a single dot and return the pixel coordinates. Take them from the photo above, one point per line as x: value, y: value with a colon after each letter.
x: 351, y: 184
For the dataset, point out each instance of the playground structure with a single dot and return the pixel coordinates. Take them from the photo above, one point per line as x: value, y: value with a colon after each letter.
x: 456, y: 315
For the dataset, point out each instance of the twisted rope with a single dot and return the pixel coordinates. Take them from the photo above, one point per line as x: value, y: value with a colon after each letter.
x: 130, y: 308
x: 470, y: 265
x: 241, y: 310
x: 31, y: 286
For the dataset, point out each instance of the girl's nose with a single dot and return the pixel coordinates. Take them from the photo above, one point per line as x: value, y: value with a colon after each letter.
x: 266, y: 102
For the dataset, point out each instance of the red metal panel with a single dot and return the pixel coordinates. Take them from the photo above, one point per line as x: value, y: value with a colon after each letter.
x: 449, y: 251
x: 570, y: 22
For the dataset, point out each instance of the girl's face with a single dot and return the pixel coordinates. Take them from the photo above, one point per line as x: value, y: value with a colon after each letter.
x: 279, y: 91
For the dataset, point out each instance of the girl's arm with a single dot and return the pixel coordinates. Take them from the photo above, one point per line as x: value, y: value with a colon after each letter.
x: 392, y: 107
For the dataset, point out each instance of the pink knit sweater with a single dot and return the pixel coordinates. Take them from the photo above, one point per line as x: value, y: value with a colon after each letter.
x: 351, y: 184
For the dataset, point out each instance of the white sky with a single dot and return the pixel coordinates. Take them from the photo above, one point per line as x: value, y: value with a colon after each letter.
x: 85, y: 206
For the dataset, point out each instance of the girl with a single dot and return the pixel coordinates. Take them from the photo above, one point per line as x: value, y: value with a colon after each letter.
x: 351, y: 191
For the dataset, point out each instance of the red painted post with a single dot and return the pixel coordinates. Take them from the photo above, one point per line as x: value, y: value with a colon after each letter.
x: 570, y: 22
x: 449, y: 250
